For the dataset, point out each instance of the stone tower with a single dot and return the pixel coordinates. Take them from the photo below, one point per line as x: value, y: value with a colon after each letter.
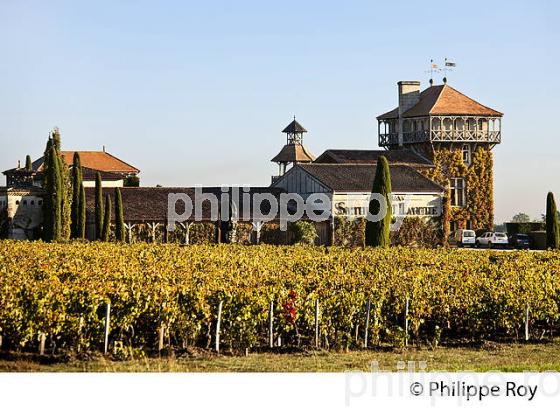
x: 457, y: 134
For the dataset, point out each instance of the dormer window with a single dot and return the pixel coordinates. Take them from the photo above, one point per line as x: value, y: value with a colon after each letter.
x: 466, y: 154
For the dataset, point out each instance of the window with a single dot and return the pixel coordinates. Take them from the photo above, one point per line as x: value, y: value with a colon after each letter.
x: 457, y: 191
x: 467, y: 154
x: 32, y: 202
x: 17, y: 202
x: 40, y: 202
x: 24, y: 202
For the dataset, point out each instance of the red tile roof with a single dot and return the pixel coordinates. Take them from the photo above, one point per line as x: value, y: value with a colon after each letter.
x: 96, y: 160
x: 443, y: 100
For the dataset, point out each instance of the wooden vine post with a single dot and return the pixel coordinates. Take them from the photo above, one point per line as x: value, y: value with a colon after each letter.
x: 406, y: 306
x: 271, y: 325
x: 218, y: 324
x: 42, y: 341
x: 161, y: 332
x: 368, y: 308
x: 107, y: 324
x: 527, y: 322
x: 80, y: 327
x: 317, y: 323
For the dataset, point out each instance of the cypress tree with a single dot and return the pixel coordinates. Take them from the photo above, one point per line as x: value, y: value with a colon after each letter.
x: 119, y: 218
x: 76, y: 193
x: 82, y: 213
x: 28, y: 164
x: 107, y: 220
x: 52, y: 202
x: 378, y: 233
x: 98, y: 207
x: 65, y: 187
x: 46, y: 156
x: 552, y: 228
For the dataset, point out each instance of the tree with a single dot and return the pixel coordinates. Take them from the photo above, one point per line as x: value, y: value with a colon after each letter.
x: 76, y: 193
x: 107, y: 219
x: 82, y: 213
x: 378, y: 233
x: 132, y: 181
x: 552, y: 228
x: 98, y: 207
x: 521, y: 218
x: 304, y: 232
x: 119, y: 218
x: 28, y: 164
x: 64, y: 193
x: 52, y: 201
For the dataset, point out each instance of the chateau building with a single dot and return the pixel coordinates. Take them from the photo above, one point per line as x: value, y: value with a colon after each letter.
x: 438, y: 143
x: 456, y: 134
x: 21, y: 201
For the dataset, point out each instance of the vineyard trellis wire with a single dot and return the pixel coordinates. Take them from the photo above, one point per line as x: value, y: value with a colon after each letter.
x: 317, y: 296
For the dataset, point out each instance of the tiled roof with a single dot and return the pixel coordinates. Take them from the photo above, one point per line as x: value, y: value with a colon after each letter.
x: 394, y: 113
x: 89, y: 174
x: 149, y: 204
x: 395, y: 157
x: 293, y: 153
x: 443, y: 100
x: 294, y: 127
x: 97, y: 160
x: 359, y: 178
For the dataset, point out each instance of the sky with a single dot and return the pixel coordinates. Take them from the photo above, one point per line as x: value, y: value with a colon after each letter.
x: 198, y: 92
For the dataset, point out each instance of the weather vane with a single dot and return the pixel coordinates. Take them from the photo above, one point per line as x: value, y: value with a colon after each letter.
x: 434, y: 68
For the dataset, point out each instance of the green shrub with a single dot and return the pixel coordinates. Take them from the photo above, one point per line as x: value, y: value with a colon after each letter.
x: 304, y: 232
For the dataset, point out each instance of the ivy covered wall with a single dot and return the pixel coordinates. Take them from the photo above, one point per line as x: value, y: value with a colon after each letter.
x: 479, y: 208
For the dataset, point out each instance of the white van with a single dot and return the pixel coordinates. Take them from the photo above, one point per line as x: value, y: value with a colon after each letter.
x: 463, y: 237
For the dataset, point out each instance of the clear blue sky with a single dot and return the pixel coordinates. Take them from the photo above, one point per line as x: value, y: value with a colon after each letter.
x: 197, y: 92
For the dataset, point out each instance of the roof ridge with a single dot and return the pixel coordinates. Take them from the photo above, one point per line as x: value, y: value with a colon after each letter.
x: 438, y: 97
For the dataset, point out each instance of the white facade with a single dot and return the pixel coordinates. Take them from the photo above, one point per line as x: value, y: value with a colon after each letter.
x: 427, y: 205
x: 352, y: 205
x: 23, y: 209
x: 105, y: 184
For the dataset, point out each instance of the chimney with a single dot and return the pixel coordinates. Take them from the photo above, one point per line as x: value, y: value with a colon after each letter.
x: 409, y: 95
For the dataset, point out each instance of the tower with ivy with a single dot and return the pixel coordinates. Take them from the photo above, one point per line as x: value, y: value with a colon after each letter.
x: 457, y: 135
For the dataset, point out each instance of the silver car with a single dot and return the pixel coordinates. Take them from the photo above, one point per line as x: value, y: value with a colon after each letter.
x: 493, y: 240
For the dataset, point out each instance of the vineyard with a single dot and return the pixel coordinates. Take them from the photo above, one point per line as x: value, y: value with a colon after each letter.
x: 81, y: 296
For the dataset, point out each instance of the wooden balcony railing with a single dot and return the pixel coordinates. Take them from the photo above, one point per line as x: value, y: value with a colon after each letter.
x: 493, y: 137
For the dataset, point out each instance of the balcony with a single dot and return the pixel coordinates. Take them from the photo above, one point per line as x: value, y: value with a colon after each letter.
x: 415, y: 137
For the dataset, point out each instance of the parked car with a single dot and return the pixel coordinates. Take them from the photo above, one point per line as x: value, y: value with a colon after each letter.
x: 520, y: 241
x: 493, y: 240
x: 463, y: 237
